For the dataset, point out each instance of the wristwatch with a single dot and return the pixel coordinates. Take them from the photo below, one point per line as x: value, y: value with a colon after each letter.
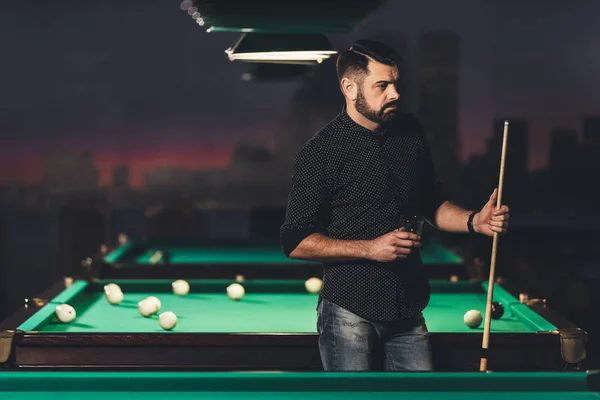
x: 470, y: 222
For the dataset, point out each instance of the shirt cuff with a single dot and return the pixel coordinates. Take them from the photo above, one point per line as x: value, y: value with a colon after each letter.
x: 291, y: 236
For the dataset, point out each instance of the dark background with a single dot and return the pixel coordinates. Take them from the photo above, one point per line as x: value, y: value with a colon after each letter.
x: 110, y: 110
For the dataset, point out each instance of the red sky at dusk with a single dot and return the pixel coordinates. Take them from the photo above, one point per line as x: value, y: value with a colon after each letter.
x: 23, y: 163
x: 28, y: 168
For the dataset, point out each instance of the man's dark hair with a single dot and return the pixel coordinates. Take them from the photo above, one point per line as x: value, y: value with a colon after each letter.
x: 355, y: 61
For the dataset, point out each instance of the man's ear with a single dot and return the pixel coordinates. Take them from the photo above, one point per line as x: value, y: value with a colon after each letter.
x: 349, y: 88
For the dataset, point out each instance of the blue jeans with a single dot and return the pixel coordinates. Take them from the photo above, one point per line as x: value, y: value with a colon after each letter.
x: 348, y: 342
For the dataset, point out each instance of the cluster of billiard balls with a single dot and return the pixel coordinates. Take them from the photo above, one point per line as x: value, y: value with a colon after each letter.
x: 152, y: 304
x: 149, y: 306
x: 473, y: 318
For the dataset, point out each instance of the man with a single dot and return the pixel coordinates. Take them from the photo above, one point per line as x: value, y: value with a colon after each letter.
x: 351, y: 183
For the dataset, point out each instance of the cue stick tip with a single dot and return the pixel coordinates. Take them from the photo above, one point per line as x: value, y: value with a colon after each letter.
x: 506, y: 123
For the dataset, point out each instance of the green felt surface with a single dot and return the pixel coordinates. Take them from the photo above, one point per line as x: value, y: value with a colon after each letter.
x: 432, y: 253
x: 230, y: 385
x: 189, y: 255
x: 96, y: 395
x: 267, y: 307
x: 196, y: 313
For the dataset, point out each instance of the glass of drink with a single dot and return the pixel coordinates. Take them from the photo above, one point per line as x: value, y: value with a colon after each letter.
x: 411, y: 223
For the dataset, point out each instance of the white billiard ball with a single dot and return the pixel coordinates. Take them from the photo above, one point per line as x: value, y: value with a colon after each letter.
x: 65, y: 313
x: 154, y: 300
x: 180, y: 287
x: 156, y: 257
x: 114, y: 296
x: 313, y: 285
x: 112, y: 286
x: 473, y: 318
x: 113, y: 293
x: 167, y: 320
x: 146, y: 308
x: 523, y: 297
x: 235, y: 291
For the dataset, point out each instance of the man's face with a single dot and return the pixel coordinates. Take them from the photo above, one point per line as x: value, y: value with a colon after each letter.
x: 377, y: 96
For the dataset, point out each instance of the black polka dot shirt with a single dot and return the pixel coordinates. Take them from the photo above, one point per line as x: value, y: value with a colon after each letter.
x: 350, y: 183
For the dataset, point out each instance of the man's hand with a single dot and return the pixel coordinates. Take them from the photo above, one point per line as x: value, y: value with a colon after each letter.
x: 490, y: 220
x: 393, y: 246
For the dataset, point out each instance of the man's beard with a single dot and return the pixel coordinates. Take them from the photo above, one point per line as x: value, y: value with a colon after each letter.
x: 380, y: 116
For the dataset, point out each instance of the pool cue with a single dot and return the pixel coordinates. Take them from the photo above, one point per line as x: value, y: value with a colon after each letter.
x: 490, y: 293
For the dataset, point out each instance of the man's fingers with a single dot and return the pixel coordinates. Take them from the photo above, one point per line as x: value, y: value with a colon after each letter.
x: 501, y: 210
x: 407, y: 236
x: 498, y: 224
x: 496, y: 229
x: 504, y: 217
x: 406, y: 243
x: 493, y: 196
x: 401, y: 250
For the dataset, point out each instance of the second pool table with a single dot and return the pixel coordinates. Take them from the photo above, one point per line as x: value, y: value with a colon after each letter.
x: 272, y: 328
x: 225, y: 260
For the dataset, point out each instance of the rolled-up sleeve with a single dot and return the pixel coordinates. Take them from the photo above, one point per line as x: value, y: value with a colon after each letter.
x: 308, y: 200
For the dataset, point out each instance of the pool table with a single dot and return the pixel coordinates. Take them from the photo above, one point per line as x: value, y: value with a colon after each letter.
x: 300, y: 385
x: 272, y: 328
x: 225, y: 260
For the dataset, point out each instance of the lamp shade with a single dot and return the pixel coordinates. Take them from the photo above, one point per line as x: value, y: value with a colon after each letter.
x: 285, y: 48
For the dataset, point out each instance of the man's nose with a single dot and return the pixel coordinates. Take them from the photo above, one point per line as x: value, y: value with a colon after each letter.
x: 393, y: 93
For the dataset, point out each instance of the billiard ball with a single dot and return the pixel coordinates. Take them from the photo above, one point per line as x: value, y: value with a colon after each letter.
x: 523, y: 297
x: 473, y: 318
x: 112, y: 286
x: 156, y: 257
x: 146, y: 307
x: 167, y: 320
x: 122, y: 239
x: 497, y: 310
x: 154, y: 300
x: 313, y: 285
x: 454, y: 278
x: 235, y: 291
x: 114, y: 296
x: 65, y: 313
x: 180, y: 287
x: 240, y: 278
x: 113, y: 293
x: 68, y: 281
